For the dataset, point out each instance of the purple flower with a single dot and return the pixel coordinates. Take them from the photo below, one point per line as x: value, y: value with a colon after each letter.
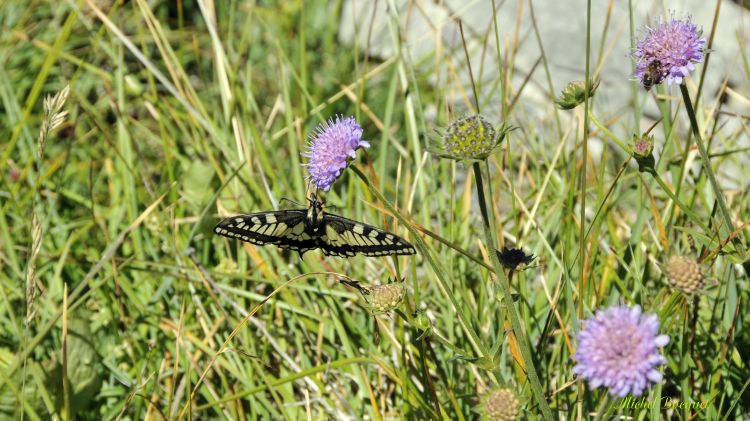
x: 668, y: 51
x: 331, y: 146
x: 619, y: 348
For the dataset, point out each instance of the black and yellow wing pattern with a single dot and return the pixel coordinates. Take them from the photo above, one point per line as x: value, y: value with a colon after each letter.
x: 345, y: 237
x: 303, y: 230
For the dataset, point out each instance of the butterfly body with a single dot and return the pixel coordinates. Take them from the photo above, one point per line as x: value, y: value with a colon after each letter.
x: 303, y: 230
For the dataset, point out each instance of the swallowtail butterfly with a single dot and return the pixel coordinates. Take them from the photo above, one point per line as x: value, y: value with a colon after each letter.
x: 303, y: 230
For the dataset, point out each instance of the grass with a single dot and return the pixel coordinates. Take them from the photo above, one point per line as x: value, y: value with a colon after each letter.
x: 117, y: 301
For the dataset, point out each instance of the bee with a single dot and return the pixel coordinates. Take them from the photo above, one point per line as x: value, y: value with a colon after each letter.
x: 652, y: 75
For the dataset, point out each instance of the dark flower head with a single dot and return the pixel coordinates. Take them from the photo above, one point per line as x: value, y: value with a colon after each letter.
x: 619, y: 348
x: 668, y: 52
x: 330, y: 148
x: 512, y: 258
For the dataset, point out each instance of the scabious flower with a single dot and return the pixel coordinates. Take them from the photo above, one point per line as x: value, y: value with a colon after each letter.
x: 330, y: 148
x: 668, y: 52
x: 619, y: 348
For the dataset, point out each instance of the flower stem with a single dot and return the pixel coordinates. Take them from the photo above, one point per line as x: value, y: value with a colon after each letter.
x: 440, y: 272
x: 584, y: 166
x: 705, y: 160
x: 678, y: 203
x: 510, y: 309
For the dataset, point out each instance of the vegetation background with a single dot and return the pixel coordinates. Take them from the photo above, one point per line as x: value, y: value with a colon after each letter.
x: 118, y: 302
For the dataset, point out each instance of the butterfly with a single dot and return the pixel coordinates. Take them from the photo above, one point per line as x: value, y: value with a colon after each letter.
x: 307, y: 229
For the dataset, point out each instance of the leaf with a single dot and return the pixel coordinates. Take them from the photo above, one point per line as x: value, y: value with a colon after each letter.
x: 83, y: 361
x: 197, y: 183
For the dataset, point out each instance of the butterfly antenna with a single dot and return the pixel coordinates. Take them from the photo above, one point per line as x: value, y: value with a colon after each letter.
x: 284, y: 199
x: 358, y: 286
x: 314, y: 197
x: 311, y: 192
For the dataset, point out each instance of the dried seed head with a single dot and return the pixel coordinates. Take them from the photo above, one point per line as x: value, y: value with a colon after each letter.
x: 500, y: 405
x: 684, y: 274
x: 386, y: 297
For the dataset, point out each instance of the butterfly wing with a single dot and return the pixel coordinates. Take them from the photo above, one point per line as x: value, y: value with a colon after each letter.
x: 344, y: 237
x: 286, y: 229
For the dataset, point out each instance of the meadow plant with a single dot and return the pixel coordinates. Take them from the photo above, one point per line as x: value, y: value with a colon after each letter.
x: 166, y: 320
x: 619, y: 348
x: 330, y: 148
x: 575, y: 93
x: 670, y: 49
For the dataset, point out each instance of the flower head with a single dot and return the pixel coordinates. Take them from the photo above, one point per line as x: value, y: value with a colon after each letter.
x: 386, y: 297
x: 330, y: 148
x: 514, y: 257
x: 684, y: 274
x: 575, y: 93
x: 471, y: 138
x: 668, y: 51
x: 643, y: 152
x: 619, y: 348
x: 643, y: 146
x: 499, y: 405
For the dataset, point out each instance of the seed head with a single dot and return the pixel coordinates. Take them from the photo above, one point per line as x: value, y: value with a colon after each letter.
x: 500, y: 405
x: 471, y: 138
x: 386, y: 297
x: 684, y: 274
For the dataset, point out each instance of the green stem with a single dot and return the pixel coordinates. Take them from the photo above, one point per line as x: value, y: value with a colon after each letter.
x: 604, y: 407
x: 584, y: 166
x: 523, y: 344
x: 440, y: 272
x: 705, y: 160
x: 689, y: 212
x: 685, y: 362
